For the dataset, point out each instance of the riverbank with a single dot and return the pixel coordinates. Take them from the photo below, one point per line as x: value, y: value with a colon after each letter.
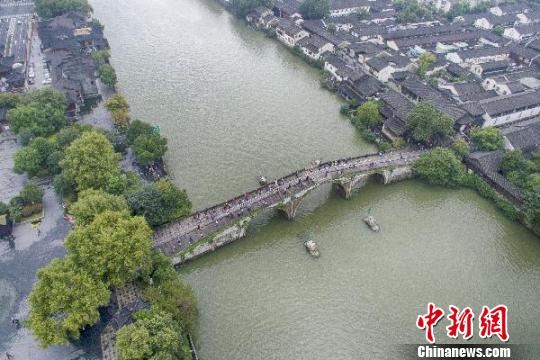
x: 257, y: 106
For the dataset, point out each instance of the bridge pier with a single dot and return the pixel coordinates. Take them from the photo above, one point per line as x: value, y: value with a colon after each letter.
x: 213, y: 241
x: 346, y: 185
x: 397, y: 174
x: 289, y: 207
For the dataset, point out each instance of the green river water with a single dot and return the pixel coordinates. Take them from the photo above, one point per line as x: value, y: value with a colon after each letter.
x: 234, y: 105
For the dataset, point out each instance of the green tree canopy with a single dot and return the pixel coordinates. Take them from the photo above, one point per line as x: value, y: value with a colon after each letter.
x: 46, y: 96
x: 515, y: 161
x: 91, y: 162
x: 367, y: 115
x: 440, y: 166
x: 34, y: 157
x: 149, y: 147
x: 63, y: 301
x: 94, y: 202
x: 153, y: 335
x: 487, y: 139
x: 36, y: 120
x: 32, y: 193
x: 428, y: 124
x: 159, y: 202
x: 138, y: 128
x: 176, y: 298
x: 114, y: 248
x: 460, y: 147
x: 9, y: 100
x: 243, y: 7
x: 107, y: 74
x: 315, y: 9
x: 425, y: 62
x: 52, y: 8
x: 532, y: 208
x: 117, y: 102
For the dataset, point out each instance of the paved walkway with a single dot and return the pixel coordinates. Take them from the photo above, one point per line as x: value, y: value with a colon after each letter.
x: 176, y: 236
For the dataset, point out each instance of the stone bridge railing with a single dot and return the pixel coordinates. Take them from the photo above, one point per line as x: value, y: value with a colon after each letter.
x: 218, y: 225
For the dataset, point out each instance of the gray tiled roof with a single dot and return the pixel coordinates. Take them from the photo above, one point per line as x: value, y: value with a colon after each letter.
x: 524, y: 136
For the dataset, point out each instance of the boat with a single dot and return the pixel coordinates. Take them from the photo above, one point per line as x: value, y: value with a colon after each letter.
x: 312, y: 248
x: 372, y: 223
x: 262, y: 180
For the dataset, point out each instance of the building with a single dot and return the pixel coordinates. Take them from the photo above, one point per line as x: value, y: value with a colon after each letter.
x: 68, y: 42
x: 512, y: 83
x: 15, y: 30
x: 289, y: 33
x: 523, y: 136
x: 490, y: 68
x: 382, y: 67
x: 337, y: 68
x: 504, y: 110
x: 395, y: 111
x: 315, y: 46
x: 487, y: 165
x: 480, y: 55
x: 262, y: 17
x: 347, y: 7
x: 522, y: 32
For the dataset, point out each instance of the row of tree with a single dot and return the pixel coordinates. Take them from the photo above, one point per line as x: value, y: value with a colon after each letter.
x: 111, y: 243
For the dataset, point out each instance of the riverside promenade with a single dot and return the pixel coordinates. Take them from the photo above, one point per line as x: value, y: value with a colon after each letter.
x: 284, y: 194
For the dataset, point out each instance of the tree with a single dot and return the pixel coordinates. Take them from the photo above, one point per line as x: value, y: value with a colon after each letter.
x: 175, y: 200
x: 315, y: 9
x: 367, y: 115
x: 46, y: 96
x: 63, y: 301
x: 425, y: 62
x: 498, y: 30
x: 440, y: 167
x: 176, y: 298
x: 148, y: 202
x: 460, y: 148
x: 153, y: 335
x: 243, y: 7
x: 32, y: 193
x: 136, y: 129
x: 107, y: 74
x: 120, y: 117
x: 67, y: 135
x: 159, y: 202
x: 149, y: 148
x: 27, y: 160
x: 100, y: 56
x: 36, y: 120
x: 34, y: 157
x: 514, y: 161
x: 429, y: 124
x: 9, y: 100
x: 114, y: 248
x: 487, y: 139
x: 91, y: 162
x: 362, y: 14
x: 94, y: 202
x: 117, y: 102
x: 52, y: 8
x: 532, y: 208
x: 53, y: 162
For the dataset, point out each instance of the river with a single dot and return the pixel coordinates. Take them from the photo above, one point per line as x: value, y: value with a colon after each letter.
x: 235, y: 105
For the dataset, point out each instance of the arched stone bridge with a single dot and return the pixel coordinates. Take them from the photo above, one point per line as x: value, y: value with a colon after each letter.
x: 214, y: 227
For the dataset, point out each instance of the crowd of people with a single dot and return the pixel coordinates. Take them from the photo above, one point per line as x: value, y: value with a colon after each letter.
x: 189, y: 230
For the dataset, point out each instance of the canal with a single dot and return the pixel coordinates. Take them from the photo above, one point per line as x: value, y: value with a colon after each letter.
x: 234, y: 105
